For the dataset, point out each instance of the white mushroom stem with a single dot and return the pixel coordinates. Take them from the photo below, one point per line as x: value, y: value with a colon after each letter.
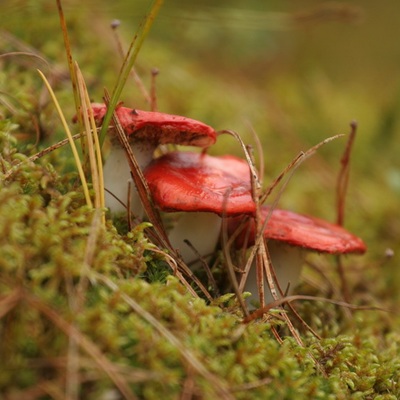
x: 201, y: 229
x: 287, y: 262
x: 118, y: 179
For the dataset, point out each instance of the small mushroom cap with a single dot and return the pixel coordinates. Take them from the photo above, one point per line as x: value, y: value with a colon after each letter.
x: 300, y: 230
x: 187, y: 181
x: 159, y: 128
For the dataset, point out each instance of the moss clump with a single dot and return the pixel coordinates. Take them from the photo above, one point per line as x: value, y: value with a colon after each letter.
x: 75, y: 309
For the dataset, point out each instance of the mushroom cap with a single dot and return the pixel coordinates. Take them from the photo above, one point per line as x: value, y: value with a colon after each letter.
x: 302, y: 231
x: 159, y: 128
x: 187, y: 181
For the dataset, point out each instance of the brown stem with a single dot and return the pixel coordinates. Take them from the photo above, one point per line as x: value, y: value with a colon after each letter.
x: 341, y: 191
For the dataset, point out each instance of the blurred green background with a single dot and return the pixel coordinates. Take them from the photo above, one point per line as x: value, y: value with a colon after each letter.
x: 294, y: 72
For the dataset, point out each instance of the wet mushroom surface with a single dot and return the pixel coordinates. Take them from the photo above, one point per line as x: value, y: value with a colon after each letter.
x: 201, y: 188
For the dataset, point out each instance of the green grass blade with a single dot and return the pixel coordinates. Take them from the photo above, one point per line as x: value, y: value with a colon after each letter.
x: 128, y: 63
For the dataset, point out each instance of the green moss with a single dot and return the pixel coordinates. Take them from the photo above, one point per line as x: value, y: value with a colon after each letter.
x: 53, y: 279
x: 43, y: 246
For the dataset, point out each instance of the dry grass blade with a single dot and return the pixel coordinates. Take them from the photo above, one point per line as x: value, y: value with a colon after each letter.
x: 260, y: 152
x: 76, y: 298
x: 24, y: 53
x: 227, y: 243
x: 150, y: 209
x: 265, y: 268
x: 290, y: 169
x: 256, y: 192
x: 231, y: 269
x: 256, y: 185
x: 260, y: 251
x: 91, y: 142
x: 195, y: 364
x: 186, y: 270
x: 174, y: 266
x: 268, y: 267
x: 24, y: 49
x: 71, y: 142
x: 272, y: 281
x: 84, y: 342
x: 204, y: 265
x: 277, y: 302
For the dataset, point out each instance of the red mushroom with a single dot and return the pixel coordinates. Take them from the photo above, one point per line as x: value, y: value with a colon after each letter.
x: 146, y: 130
x: 202, y: 187
x: 159, y: 128
x: 289, y: 235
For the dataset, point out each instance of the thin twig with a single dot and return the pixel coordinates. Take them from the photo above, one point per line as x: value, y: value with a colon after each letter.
x: 343, y: 177
x: 153, y: 96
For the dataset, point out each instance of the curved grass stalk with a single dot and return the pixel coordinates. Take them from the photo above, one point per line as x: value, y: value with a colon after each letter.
x: 71, y: 141
x: 99, y: 159
x: 295, y: 163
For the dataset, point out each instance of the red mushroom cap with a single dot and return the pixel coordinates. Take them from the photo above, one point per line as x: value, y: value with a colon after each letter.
x: 187, y: 181
x: 159, y: 128
x: 301, y: 230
